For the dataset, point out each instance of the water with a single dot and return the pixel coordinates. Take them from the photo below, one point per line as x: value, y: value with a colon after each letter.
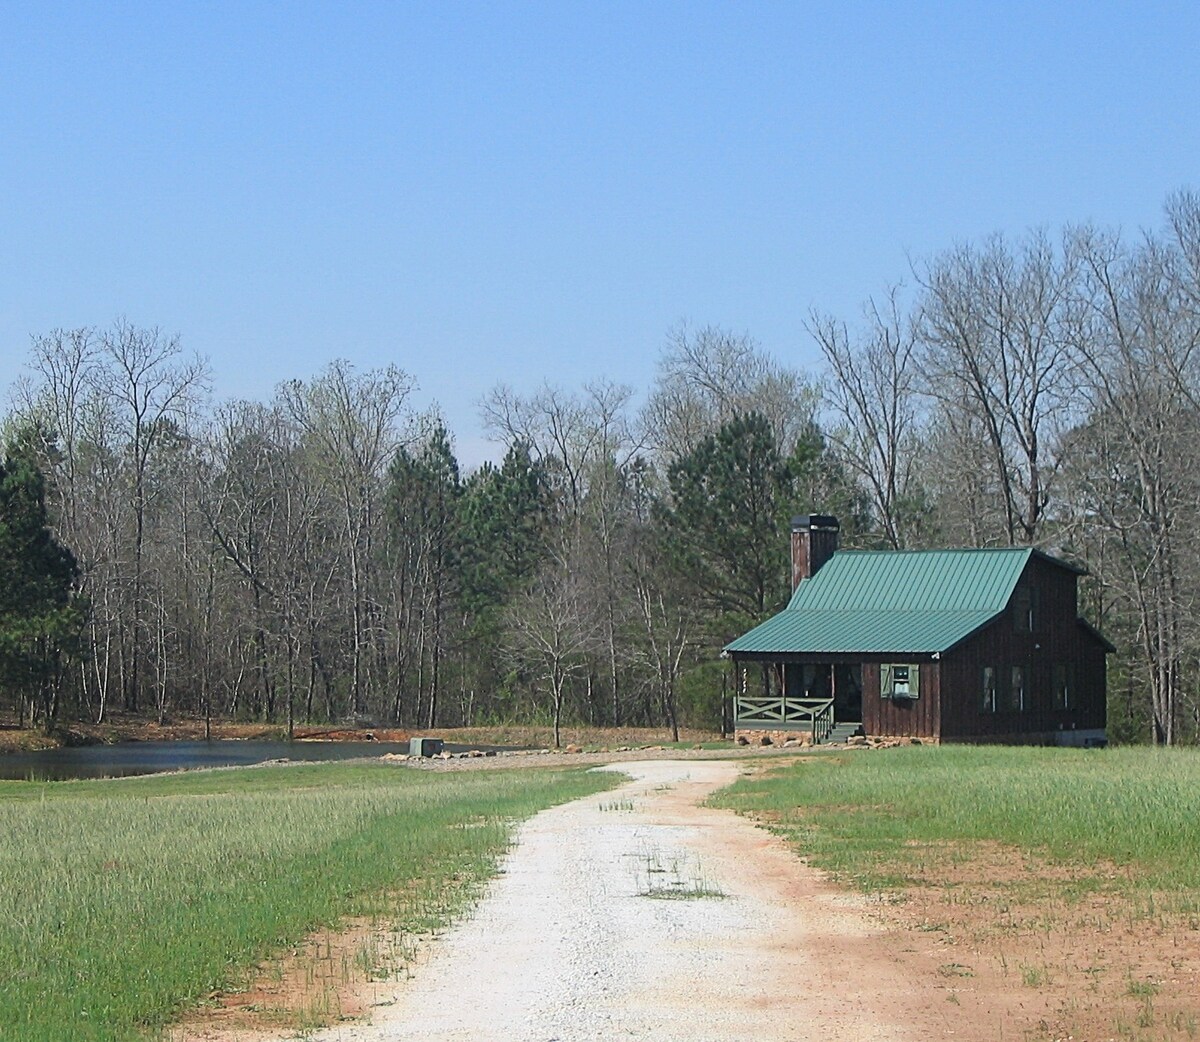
x: 129, y: 758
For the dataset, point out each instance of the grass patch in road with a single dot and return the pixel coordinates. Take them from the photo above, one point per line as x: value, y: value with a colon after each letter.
x: 697, y: 890
x: 675, y: 876
x: 124, y: 902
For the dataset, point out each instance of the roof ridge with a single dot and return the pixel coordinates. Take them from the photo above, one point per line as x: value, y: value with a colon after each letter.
x: 889, y: 611
x: 949, y: 550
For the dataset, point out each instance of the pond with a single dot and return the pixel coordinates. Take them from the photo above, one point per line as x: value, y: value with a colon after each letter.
x: 129, y: 758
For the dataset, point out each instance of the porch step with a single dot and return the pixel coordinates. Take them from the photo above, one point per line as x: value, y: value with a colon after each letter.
x: 842, y: 731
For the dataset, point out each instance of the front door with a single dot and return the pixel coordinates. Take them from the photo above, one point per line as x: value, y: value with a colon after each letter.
x: 847, y: 693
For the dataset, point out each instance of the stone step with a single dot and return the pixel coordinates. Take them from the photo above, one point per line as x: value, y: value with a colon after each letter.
x: 842, y: 731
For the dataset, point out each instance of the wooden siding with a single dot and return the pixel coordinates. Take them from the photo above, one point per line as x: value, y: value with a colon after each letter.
x: 1057, y: 638
x: 909, y: 718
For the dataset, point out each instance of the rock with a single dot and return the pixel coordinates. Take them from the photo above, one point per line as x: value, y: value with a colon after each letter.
x: 765, y: 740
x: 573, y: 749
x: 698, y: 745
x: 475, y: 753
x: 914, y: 741
x: 792, y: 743
x: 742, y: 740
x: 856, y: 739
x: 489, y: 752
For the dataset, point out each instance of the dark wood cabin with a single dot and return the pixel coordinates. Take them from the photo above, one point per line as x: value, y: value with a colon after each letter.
x: 979, y: 645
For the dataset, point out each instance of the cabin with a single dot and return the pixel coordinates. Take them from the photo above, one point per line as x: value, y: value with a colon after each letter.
x: 981, y: 645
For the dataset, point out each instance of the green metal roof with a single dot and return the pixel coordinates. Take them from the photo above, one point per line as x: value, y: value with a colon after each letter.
x: 880, y: 601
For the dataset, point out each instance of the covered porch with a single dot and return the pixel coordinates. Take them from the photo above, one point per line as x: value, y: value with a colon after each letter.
x: 818, y: 699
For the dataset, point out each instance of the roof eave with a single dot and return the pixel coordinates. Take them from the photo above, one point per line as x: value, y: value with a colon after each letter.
x: 1109, y: 647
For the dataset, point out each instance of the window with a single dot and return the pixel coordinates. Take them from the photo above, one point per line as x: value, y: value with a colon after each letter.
x: 1063, y: 682
x: 1016, y: 690
x: 900, y: 680
x: 988, y: 704
x: 1024, y: 609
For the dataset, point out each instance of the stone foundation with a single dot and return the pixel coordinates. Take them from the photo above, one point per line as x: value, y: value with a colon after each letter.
x: 803, y: 739
x: 792, y: 739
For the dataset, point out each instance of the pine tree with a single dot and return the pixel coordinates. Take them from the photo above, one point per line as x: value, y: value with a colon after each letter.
x: 40, y: 614
x: 726, y: 523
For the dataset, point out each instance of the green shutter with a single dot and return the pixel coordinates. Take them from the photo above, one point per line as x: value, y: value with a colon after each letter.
x: 885, y: 681
x: 914, y: 681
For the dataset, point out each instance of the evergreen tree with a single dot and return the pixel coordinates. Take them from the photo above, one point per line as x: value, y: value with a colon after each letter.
x: 725, y: 528
x: 506, y: 518
x: 422, y: 506
x: 507, y: 514
x: 40, y: 616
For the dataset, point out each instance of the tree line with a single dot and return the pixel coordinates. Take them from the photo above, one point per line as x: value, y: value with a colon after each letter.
x: 322, y: 556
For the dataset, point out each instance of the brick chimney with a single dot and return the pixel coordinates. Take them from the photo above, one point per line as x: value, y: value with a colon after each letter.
x: 814, y: 541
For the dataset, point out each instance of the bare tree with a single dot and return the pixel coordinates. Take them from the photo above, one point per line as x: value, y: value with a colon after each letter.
x: 1136, y: 344
x: 994, y: 327
x: 153, y: 384
x: 353, y: 423
x: 587, y: 440
x: 710, y: 375
x: 552, y: 629
x: 872, y: 392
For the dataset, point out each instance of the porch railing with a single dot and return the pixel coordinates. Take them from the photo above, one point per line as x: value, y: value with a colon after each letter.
x: 786, y: 714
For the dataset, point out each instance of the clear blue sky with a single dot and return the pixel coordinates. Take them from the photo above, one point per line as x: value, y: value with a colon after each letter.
x: 485, y: 192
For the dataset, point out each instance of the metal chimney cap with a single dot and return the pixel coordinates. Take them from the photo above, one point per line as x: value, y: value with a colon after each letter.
x: 814, y: 521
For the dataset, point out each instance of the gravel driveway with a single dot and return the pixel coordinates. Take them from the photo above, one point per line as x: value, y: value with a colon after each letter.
x: 636, y: 913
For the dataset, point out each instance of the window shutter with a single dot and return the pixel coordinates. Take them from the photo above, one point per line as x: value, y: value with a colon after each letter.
x: 885, y: 681
x: 914, y: 681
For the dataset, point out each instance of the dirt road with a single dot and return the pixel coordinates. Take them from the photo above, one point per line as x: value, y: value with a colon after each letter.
x: 637, y: 913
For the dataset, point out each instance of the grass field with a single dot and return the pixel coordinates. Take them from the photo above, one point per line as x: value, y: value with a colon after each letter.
x: 861, y: 814
x: 123, y: 902
x: 1070, y: 879
x: 864, y: 814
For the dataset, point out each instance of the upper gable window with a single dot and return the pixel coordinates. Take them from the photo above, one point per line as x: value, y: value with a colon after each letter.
x: 1024, y: 609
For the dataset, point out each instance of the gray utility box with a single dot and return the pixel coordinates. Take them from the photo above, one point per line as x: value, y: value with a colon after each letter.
x: 424, y: 746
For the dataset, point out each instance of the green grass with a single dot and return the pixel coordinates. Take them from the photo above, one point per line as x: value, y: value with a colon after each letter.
x: 124, y: 902
x: 866, y: 816
x: 673, y: 877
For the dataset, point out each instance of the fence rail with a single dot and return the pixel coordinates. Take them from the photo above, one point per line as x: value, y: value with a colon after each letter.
x: 786, y: 714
